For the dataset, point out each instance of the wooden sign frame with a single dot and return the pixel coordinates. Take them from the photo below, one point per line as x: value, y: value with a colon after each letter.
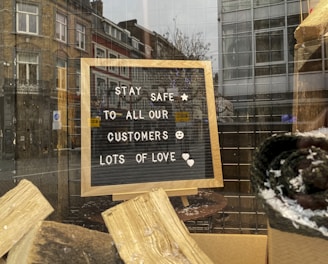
x: 173, y: 188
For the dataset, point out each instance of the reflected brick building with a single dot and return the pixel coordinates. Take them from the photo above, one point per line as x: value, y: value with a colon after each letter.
x: 42, y: 42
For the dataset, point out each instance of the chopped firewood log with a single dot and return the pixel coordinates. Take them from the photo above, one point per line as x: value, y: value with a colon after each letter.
x: 21, y: 208
x: 146, y: 229
x: 58, y: 243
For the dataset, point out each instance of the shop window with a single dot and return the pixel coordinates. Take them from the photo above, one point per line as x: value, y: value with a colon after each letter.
x: 27, y: 18
x: 61, y: 27
x: 80, y: 36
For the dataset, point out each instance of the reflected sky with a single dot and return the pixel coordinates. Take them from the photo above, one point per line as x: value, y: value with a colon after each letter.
x: 190, y: 16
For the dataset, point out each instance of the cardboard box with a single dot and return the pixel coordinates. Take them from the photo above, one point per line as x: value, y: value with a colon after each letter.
x: 233, y: 248
x: 287, y: 248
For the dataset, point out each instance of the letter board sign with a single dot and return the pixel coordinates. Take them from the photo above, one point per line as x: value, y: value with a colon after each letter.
x: 156, y: 126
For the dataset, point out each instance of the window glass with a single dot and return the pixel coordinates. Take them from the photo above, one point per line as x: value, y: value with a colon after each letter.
x: 234, y: 5
x: 61, y: 27
x: 27, y: 68
x: 269, y: 23
x: 268, y: 73
x: 111, y: 94
x: 77, y: 81
x: 101, y: 88
x: 27, y: 18
x: 100, y: 53
x: 269, y: 46
x: 80, y: 36
x: 61, y: 74
x: 258, y: 3
x: 113, y: 56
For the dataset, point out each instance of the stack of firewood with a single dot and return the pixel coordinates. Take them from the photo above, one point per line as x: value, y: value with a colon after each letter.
x: 145, y: 229
x: 26, y: 237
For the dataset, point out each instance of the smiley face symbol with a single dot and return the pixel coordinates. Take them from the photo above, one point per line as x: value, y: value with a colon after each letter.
x: 179, y: 134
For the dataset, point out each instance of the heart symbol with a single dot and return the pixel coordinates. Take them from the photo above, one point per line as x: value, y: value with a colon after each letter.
x: 185, y: 156
x: 190, y: 162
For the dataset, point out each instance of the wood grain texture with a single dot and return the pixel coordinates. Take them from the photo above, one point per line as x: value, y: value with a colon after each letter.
x: 146, y: 229
x: 20, y: 209
x: 315, y: 25
x: 52, y: 242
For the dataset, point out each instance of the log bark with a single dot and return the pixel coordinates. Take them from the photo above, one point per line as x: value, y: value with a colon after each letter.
x: 57, y: 243
x: 20, y: 209
x: 146, y: 229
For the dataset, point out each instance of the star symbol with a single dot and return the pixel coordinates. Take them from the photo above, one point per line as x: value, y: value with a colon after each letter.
x: 184, y: 97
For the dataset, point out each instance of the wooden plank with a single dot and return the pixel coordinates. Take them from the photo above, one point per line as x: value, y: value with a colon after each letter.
x: 146, y: 229
x: 185, y: 201
x: 53, y: 242
x: 20, y: 208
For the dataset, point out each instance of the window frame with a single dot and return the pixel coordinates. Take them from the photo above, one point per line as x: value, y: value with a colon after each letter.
x: 28, y: 15
x: 102, y: 49
x: 80, y: 36
x: 113, y: 55
x: 283, y: 48
x: 112, y: 99
x: 61, y: 71
x: 62, y: 27
x: 28, y: 68
x: 100, y: 91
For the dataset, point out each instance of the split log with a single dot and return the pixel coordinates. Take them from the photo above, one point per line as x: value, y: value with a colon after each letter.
x: 146, y: 229
x: 58, y: 243
x: 21, y: 208
x: 315, y: 25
